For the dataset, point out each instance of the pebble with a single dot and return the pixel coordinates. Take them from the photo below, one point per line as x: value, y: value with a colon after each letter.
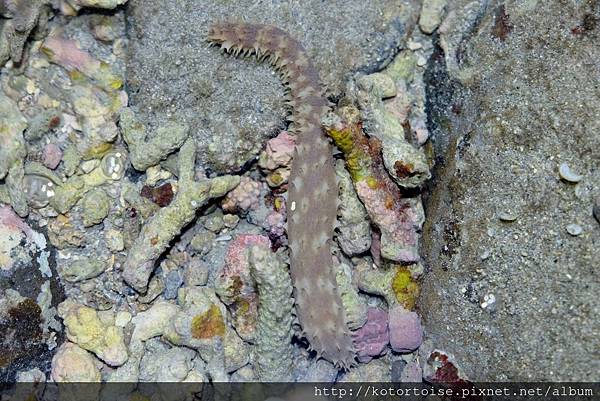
x: 414, y: 45
x: 51, y: 156
x: 431, y: 15
x: 173, y: 281
x: 195, y: 273
x: 574, y: 229
x: 397, y: 368
x: 507, y: 216
x: 568, y: 175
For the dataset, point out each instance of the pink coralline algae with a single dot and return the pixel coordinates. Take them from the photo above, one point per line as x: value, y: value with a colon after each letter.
x: 235, y: 286
x: 406, y: 333
x: 51, y: 156
x: 244, y: 197
x: 372, y: 339
x: 278, y: 153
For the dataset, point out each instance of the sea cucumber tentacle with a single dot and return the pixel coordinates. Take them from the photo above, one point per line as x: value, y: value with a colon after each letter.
x: 312, y: 191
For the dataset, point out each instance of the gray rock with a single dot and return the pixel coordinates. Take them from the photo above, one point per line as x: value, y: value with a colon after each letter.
x: 82, y: 269
x: 173, y: 281
x: 493, y: 140
x: 195, y: 273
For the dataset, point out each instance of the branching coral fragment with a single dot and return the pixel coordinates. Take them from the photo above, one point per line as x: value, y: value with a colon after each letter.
x: 167, y: 223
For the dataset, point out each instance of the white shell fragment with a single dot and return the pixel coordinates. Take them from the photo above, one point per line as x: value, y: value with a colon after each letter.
x: 507, y: 216
x: 574, y: 229
x: 566, y: 174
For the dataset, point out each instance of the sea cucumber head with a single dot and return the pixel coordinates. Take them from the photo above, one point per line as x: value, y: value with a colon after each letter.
x: 233, y: 35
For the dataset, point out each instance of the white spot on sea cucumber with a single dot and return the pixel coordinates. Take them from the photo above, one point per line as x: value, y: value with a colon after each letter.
x: 293, y: 206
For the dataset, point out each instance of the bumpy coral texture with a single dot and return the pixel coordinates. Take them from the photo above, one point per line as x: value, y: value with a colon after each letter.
x: 312, y: 191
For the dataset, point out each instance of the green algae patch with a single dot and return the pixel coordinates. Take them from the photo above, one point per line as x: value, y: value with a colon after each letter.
x: 208, y: 324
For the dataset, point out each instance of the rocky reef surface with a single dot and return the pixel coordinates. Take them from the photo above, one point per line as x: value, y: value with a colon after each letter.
x: 144, y: 182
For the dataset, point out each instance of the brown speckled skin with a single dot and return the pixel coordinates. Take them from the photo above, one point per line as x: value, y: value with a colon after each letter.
x: 312, y: 197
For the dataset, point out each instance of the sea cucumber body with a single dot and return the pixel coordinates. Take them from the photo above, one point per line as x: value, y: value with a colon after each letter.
x: 312, y: 196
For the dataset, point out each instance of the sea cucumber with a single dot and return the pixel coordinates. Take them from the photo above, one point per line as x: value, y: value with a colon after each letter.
x: 312, y: 196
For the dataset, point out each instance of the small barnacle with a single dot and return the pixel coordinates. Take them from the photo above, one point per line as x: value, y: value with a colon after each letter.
x: 38, y: 189
x: 113, y: 164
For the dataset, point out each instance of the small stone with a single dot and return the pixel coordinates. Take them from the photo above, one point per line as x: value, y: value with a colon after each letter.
x: 88, y: 165
x: 412, y: 45
x: 421, y: 61
x: 431, y: 15
x: 231, y: 220
x: 507, y: 216
x: 154, y: 174
x: 278, y: 177
x: 155, y: 288
x: 574, y: 229
x: 214, y: 223
x: 34, y: 375
x: 173, y: 281
x: 82, y: 269
x: 152, y: 322
x: 167, y: 365
x: 397, y: 368
x: 11, y: 134
x: 406, y: 333
x: 96, y: 206
x: 567, y: 174
x: 195, y: 273
x: 202, y: 242
x: 114, y: 240
x: 380, y: 83
x: 51, y: 156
